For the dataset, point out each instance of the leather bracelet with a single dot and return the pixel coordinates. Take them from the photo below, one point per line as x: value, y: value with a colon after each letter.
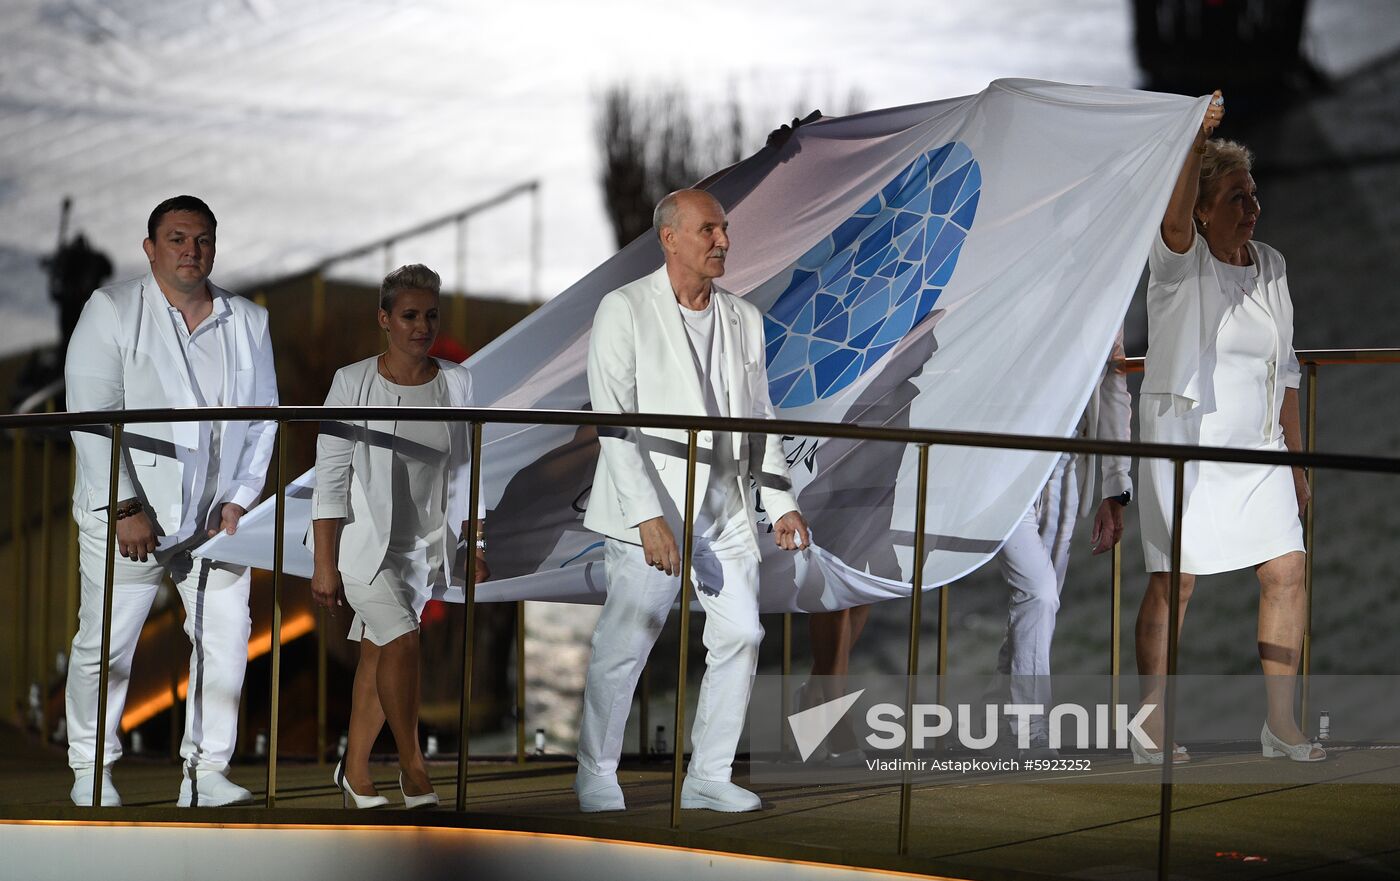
x: 129, y: 509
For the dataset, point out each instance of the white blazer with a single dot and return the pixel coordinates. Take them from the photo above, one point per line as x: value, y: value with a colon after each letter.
x: 1185, y: 308
x: 1108, y: 417
x: 355, y: 466
x: 639, y: 361
x: 125, y: 355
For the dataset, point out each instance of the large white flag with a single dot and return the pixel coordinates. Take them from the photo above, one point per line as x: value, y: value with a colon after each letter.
x: 963, y: 265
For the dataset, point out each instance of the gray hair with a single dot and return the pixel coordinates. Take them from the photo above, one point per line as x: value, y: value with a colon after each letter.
x: 665, y: 212
x: 1221, y: 158
x: 413, y: 277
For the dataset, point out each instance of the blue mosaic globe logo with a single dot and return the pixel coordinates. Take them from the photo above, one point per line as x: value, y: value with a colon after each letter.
x: 860, y: 290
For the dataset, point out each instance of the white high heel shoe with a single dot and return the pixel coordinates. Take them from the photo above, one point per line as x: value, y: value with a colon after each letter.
x: 1298, y: 752
x: 1142, y: 757
x: 427, y: 800
x: 350, y: 798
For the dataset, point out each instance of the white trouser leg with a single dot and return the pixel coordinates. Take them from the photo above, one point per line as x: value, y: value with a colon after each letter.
x: 639, y: 598
x: 1033, y: 562
x: 218, y: 625
x: 729, y: 594
x: 134, y: 587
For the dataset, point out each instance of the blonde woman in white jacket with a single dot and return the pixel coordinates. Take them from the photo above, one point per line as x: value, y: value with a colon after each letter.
x: 390, y: 503
x: 1221, y: 371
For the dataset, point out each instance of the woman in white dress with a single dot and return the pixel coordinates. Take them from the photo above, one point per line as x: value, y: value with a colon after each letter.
x: 1221, y: 371
x: 390, y: 503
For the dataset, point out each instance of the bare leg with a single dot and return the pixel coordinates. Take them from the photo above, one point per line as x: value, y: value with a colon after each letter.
x: 399, y: 687
x: 1152, y: 622
x: 366, y: 719
x: 1283, y: 603
x: 833, y: 635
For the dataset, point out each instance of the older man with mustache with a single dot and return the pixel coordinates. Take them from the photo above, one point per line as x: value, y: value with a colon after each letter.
x: 673, y: 342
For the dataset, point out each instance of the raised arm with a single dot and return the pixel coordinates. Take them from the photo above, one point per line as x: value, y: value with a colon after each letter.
x: 1178, y: 230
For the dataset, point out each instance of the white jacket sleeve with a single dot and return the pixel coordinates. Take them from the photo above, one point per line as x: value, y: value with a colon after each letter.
x: 334, y: 447
x: 93, y: 374
x: 253, y: 459
x: 612, y: 386
x: 1115, y: 423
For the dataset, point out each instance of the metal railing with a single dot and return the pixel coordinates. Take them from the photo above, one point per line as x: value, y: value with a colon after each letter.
x: 458, y: 220
x: 923, y: 439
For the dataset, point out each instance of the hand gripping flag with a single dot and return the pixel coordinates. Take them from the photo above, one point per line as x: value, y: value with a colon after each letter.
x: 962, y: 264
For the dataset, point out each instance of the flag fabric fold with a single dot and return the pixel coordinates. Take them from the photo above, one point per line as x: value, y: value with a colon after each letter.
x: 963, y: 264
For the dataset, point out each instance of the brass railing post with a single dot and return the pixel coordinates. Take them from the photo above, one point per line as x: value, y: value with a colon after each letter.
x: 279, y: 520
x: 322, y: 675
x: 916, y: 599
x: 787, y: 672
x: 644, y: 710
x: 1309, y: 445
x: 174, y: 657
x: 520, y: 682
x: 99, y: 754
x: 469, y: 619
x: 18, y: 547
x: 687, y: 549
x: 1168, y: 744
x: 41, y: 651
x: 1115, y: 631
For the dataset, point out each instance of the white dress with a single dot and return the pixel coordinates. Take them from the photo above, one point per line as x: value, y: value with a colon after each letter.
x: 392, y: 604
x: 1235, y: 515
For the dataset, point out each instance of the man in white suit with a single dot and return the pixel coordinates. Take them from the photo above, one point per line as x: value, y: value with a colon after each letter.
x: 673, y: 342
x: 1034, y: 557
x: 170, y: 339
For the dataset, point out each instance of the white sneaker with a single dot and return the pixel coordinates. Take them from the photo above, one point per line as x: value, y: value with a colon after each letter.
x: 210, y: 789
x: 82, y: 789
x: 598, y: 792
x: 717, y: 795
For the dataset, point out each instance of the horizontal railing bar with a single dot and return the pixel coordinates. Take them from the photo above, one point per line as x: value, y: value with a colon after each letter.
x: 1311, y: 356
x: 426, y: 226
x: 853, y: 431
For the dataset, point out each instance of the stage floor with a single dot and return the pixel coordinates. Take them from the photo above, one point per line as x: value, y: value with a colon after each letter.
x: 968, y: 829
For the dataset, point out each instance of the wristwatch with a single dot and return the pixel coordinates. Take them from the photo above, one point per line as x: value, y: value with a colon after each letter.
x: 1124, y: 498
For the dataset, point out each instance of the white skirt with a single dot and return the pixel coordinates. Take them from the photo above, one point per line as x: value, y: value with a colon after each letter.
x: 385, y: 609
x: 1235, y: 515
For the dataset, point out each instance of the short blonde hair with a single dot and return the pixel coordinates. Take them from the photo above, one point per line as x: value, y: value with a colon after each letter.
x: 413, y: 277
x: 1221, y: 158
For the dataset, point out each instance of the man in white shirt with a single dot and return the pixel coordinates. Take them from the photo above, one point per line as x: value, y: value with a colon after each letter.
x: 170, y: 339
x: 673, y: 342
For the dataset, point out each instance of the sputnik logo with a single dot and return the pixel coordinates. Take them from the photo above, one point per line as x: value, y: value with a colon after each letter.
x: 811, y: 726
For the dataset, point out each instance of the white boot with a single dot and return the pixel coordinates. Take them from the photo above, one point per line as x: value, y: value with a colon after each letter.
x: 210, y: 789
x: 717, y: 795
x: 597, y: 793
x: 82, y: 789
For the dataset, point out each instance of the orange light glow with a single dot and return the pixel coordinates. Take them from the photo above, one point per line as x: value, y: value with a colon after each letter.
x: 296, y: 626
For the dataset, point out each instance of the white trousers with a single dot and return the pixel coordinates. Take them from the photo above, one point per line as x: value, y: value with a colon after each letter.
x: 216, y: 621
x: 1033, y: 562
x: 639, y: 598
